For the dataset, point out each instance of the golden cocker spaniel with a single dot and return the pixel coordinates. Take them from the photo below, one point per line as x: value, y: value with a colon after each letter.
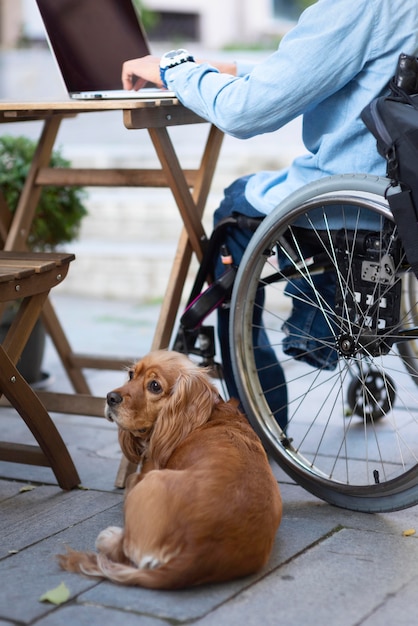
x: 205, y: 506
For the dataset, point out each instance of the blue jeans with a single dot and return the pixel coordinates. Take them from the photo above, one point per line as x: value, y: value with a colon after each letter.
x: 270, y: 371
x: 309, y: 334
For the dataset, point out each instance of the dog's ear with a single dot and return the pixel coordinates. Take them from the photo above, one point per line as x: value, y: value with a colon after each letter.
x: 189, y: 406
x: 132, y: 447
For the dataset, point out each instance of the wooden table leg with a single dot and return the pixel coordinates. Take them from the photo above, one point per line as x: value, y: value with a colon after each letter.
x: 191, y: 207
x: 193, y: 203
x: 180, y: 190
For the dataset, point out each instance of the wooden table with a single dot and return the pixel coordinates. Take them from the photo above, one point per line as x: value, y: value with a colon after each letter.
x: 190, y: 189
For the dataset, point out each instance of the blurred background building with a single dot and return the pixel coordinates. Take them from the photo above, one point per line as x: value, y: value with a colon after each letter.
x: 214, y: 24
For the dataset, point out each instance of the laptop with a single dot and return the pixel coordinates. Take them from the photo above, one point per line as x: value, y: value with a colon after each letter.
x: 90, y: 40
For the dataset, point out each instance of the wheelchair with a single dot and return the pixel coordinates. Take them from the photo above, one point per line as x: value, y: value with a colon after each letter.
x: 352, y: 432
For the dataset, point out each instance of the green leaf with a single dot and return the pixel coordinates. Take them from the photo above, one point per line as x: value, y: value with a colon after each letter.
x: 59, y: 595
x: 27, y: 488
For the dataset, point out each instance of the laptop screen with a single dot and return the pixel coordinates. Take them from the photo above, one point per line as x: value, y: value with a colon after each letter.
x: 91, y: 39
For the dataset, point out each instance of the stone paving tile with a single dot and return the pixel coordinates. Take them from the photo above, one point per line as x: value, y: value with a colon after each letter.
x: 33, y: 515
x: 8, y: 490
x: 397, y: 608
x: 339, y: 581
x: 97, y: 616
x: 30, y: 573
x: 299, y: 504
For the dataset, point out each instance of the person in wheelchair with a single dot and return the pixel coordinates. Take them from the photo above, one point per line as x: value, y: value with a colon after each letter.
x: 338, y: 57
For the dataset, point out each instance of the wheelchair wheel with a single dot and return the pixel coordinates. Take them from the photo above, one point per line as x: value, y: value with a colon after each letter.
x: 352, y: 412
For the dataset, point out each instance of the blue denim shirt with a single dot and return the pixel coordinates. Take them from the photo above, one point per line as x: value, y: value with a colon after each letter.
x: 338, y: 57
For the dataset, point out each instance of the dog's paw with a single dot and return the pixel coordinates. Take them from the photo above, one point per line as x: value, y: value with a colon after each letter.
x: 108, y: 538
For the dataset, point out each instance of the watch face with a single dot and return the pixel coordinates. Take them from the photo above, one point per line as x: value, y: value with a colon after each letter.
x: 174, y: 57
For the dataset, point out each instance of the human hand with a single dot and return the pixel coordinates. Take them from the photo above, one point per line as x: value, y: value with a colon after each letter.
x: 137, y: 72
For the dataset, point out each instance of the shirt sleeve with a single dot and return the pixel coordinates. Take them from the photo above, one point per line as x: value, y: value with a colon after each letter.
x: 244, y: 67
x: 327, y: 48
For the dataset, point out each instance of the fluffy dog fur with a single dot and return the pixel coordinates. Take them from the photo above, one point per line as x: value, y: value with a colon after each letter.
x: 205, y: 506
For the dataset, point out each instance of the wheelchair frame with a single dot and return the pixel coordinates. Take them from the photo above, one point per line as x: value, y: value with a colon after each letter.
x: 350, y: 438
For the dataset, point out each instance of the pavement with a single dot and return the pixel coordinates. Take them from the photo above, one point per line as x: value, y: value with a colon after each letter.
x: 329, y: 566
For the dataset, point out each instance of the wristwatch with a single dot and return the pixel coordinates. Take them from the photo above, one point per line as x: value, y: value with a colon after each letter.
x: 171, y: 59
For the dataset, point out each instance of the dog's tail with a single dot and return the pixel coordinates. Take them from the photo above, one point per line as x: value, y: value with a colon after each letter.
x: 80, y: 562
x: 92, y: 564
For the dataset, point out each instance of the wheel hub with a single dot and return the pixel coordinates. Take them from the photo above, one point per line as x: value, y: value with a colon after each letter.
x: 346, y: 345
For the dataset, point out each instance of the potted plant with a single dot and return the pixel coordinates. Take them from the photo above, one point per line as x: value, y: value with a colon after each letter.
x: 57, y: 220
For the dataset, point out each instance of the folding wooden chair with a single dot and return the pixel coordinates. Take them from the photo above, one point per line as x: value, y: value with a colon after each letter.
x: 29, y: 277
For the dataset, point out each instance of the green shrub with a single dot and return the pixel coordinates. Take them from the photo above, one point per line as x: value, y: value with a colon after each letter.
x: 60, y: 209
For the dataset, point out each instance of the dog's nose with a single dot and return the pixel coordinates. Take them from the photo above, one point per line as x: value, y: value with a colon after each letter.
x: 113, y: 398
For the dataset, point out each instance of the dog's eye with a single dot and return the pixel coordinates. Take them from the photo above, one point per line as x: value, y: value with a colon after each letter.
x: 130, y: 374
x: 154, y: 386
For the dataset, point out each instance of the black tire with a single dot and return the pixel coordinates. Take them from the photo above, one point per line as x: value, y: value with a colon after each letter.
x: 364, y: 464
x: 372, y: 397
